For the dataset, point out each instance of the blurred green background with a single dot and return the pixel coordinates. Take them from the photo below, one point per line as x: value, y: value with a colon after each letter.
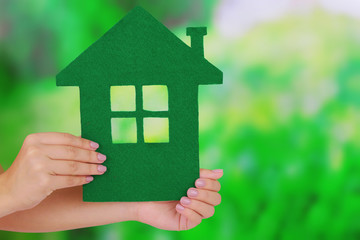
x: 285, y: 125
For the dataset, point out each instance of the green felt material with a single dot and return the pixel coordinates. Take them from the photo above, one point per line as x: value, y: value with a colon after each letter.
x: 140, y: 51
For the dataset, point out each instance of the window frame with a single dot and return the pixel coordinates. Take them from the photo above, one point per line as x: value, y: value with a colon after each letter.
x: 139, y: 114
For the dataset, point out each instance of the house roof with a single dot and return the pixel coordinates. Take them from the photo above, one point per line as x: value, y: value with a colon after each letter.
x: 139, y: 47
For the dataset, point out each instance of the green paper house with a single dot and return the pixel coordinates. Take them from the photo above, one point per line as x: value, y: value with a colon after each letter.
x: 116, y: 76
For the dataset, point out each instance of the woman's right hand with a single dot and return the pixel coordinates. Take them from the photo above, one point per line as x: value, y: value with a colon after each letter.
x: 46, y: 162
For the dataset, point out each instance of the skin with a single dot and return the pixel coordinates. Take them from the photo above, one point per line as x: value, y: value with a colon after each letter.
x: 45, y: 181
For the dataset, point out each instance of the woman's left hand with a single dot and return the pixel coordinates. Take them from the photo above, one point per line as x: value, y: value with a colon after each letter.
x: 190, y: 210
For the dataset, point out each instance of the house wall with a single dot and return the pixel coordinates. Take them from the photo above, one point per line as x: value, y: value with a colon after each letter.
x: 95, y: 113
x: 137, y: 170
x: 184, y: 126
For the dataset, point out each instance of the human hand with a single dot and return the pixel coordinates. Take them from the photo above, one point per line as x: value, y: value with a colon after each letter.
x: 46, y: 162
x: 189, y: 211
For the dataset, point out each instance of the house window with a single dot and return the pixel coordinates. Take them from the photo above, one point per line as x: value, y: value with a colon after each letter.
x: 155, y: 98
x: 156, y: 130
x: 139, y: 114
x: 123, y: 130
x: 122, y: 98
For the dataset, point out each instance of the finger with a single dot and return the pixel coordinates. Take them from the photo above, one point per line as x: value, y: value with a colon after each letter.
x: 205, y: 196
x: 212, y: 174
x: 55, y: 138
x: 70, y: 181
x: 73, y: 153
x: 190, y: 215
x: 61, y: 167
x: 205, y: 210
x: 208, y: 184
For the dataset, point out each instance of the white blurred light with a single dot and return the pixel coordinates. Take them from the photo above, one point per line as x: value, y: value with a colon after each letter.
x: 235, y: 17
x: 347, y: 7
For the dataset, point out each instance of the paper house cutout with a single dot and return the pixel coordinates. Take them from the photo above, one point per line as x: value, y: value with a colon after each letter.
x: 140, y: 51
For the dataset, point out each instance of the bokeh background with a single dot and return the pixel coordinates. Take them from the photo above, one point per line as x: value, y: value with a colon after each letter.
x: 284, y: 126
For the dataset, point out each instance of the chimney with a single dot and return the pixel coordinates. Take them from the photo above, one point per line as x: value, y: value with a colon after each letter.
x: 197, y: 39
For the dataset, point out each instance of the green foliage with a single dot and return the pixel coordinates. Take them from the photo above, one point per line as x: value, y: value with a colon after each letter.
x: 284, y: 126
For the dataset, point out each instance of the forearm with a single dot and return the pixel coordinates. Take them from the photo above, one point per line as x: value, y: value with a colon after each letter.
x: 6, y: 204
x: 6, y: 207
x: 64, y: 210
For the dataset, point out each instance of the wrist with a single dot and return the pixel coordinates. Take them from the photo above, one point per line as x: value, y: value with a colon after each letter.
x: 133, y: 211
x: 7, y: 205
x: 139, y: 209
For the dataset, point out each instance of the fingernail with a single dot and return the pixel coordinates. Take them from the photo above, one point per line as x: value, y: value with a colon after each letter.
x: 217, y: 170
x: 94, y: 145
x: 185, y: 201
x: 101, y: 168
x: 179, y: 207
x: 193, y: 193
x: 101, y: 157
x: 200, y: 183
x: 89, y: 178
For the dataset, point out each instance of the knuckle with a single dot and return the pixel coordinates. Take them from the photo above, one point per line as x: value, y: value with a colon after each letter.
x: 71, y: 151
x: 72, y: 140
x: 73, y: 166
x: 218, y: 199
x: 92, y: 169
x: 44, y: 182
x: 66, y: 136
x: 83, y: 142
x: 33, y: 151
x: 31, y: 138
x: 70, y: 181
x: 204, y: 173
x: 210, y: 213
x: 215, y: 185
x: 94, y: 156
x: 211, y: 183
x: 90, y: 155
x: 205, y: 194
x: 37, y: 167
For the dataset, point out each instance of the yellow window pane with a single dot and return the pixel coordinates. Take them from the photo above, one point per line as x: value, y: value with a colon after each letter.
x: 155, y: 98
x: 123, y: 130
x: 156, y: 130
x: 122, y: 98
